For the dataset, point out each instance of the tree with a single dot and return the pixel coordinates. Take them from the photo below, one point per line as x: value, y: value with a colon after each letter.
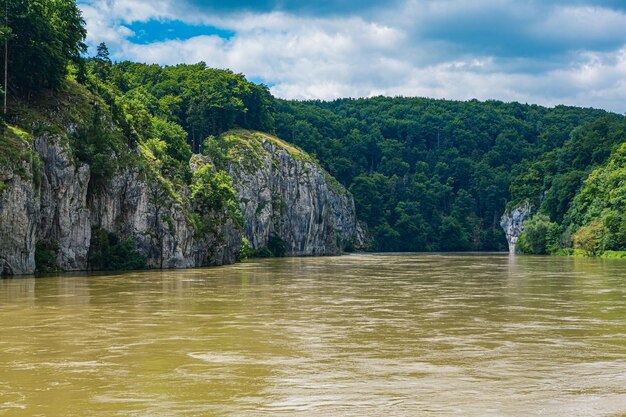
x: 212, y: 190
x: 46, y: 36
x: 5, y: 34
x: 452, y: 237
x: 534, y: 237
x: 591, y: 238
x: 103, y: 53
x: 103, y: 62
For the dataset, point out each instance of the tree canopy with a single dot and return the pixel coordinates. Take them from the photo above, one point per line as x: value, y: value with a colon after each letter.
x: 44, y: 37
x: 437, y: 175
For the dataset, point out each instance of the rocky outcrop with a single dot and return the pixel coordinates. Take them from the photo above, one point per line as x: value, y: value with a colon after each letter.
x: 130, y: 204
x: 59, y: 212
x: 284, y: 195
x: 512, y: 222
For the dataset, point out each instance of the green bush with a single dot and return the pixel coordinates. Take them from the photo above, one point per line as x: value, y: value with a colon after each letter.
x: 97, y: 145
x: 614, y: 254
x: 263, y: 252
x: 276, y: 246
x: 245, y: 251
x: 45, y: 257
x: 114, y: 252
x: 564, y: 252
x: 212, y: 189
x: 540, y: 236
x: 591, y: 238
x: 615, y: 228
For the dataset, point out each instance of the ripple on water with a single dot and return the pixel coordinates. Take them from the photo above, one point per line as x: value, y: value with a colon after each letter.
x: 370, y: 335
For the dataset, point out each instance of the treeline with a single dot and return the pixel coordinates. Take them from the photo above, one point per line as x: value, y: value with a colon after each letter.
x: 170, y: 112
x: 437, y: 175
x: 201, y: 100
x: 41, y: 38
x: 583, y: 211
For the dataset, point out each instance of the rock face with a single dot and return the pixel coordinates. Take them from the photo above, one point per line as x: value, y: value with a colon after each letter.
x: 65, y: 217
x: 130, y: 204
x: 19, y: 212
x: 512, y: 222
x: 61, y: 212
x: 136, y: 206
x: 284, y: 194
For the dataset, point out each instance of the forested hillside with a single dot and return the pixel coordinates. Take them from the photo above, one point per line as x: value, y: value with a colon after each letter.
x: 583, y: 212
x: 426, y: 174
x: 437, y: 175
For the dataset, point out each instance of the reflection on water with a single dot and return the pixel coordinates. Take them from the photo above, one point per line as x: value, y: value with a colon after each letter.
x: 402, y: 335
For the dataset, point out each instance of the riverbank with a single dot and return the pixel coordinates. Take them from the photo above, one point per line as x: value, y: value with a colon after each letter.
x: 579, y: 253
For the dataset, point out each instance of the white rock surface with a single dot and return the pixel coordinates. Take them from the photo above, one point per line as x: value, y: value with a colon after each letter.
x: 292, y: 198
x: 512, y: 222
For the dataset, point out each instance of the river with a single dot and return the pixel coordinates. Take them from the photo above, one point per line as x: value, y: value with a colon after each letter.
x: 359, y: 335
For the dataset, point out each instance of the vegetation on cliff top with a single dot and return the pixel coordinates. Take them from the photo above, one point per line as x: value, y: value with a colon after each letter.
x: 18, y: 158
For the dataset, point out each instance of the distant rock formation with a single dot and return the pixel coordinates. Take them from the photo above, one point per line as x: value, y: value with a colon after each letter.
x: 512, y: 222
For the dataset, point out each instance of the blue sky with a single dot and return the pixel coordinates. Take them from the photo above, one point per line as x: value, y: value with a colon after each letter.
x: 537, y: 51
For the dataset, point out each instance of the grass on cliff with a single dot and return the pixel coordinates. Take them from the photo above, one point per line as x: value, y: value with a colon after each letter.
x: 16, y: 155
x: 246, y: 147
x: 80, y: 122
x: 72, y: 106
x: 13, y: 142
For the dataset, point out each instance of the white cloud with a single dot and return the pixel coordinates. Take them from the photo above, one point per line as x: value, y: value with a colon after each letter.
x: 330, y: 57
x: 101, y: 28
x: 588, y: 23
x: 136, y: 10
x: 211, y: 49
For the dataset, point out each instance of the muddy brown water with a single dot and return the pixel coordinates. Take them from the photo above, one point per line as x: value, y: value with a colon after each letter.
x: 360, y: 335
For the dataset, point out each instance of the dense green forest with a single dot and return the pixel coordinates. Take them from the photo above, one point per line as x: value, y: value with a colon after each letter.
x: 591, y: 218
x: 437, y: 175
x: 425, y: 174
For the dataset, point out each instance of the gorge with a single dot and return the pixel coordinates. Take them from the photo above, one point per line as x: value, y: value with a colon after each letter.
x: 128, y: 165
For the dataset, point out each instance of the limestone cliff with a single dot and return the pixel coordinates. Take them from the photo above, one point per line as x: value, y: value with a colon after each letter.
x: 160, y: 223
x: 285, y: 195
x: 512, y: 222
x: 65, y: 220
x: 53, y: 202
x: 61, y: 215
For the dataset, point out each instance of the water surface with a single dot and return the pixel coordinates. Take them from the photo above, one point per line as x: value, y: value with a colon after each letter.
x: 364, y: 335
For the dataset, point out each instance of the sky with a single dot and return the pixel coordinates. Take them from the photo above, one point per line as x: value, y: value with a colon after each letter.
x: 547, y: 52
